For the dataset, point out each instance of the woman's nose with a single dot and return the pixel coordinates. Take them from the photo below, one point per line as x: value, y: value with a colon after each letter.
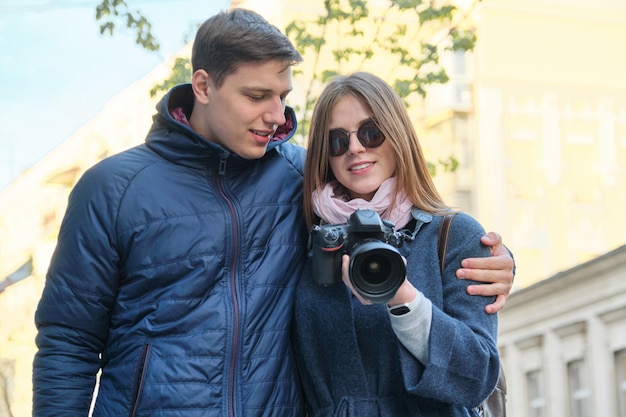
x: 355, y: 145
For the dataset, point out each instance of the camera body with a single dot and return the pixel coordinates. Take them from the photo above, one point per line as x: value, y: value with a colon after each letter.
x: 376, y: 267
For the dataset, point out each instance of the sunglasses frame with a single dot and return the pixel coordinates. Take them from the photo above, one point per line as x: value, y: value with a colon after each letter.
x: 360, y: 135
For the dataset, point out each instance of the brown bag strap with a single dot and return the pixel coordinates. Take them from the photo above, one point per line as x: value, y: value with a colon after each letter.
x: 442, y: 241
x: 495, y: 405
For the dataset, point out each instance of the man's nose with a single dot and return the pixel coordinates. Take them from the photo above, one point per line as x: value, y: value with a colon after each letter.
x: 276, y: 112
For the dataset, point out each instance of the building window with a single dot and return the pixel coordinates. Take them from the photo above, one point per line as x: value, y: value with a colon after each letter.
x: 620, y: 367
x: 579, y: 393
x: 459, y: 63
x: 460, y: 80
x: 536, y: 399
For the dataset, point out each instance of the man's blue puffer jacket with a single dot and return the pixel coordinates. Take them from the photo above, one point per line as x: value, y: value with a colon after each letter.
x: 175, y: 273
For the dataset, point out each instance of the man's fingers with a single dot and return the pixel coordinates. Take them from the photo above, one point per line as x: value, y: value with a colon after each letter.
x: 497, y: 305
x: 491, y: 239
x: 487, y: 290
x: 502, y: 262
x: 494, y: 241
x: 487, y: 276
x: 489, y: 262
x: 490, y: 290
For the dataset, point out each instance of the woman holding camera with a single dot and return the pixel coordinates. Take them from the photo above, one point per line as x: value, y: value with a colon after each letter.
x: 426, y: 348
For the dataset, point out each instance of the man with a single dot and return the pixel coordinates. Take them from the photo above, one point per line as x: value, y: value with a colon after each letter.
x: 177, y: 260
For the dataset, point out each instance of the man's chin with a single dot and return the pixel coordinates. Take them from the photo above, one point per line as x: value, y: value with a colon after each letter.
x: 253, y: 153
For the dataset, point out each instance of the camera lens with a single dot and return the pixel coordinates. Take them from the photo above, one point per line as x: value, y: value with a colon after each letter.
x: 375, y: 268
x: 376, y: 271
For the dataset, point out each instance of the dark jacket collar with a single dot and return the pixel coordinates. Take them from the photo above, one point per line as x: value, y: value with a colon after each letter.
x: 179, y: 143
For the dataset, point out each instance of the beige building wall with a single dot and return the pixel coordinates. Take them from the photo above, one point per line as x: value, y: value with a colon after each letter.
x: 31, y: 210
x: 563, y: 342
x: 536, y: 117
x: 550, y: 128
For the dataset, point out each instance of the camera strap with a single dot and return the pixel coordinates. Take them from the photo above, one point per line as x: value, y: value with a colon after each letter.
x: 420, y: 217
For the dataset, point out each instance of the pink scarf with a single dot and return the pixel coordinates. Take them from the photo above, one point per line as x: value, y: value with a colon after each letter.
x: 334, y: 206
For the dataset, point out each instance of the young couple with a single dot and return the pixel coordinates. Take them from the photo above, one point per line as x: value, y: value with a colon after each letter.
x: 181, y: 264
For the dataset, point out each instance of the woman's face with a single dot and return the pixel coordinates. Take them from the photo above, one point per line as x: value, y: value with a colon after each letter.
x: 361, y: 170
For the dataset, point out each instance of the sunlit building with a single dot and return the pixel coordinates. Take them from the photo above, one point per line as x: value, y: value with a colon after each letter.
x: 563, y: 342
x: 31, y: 210
x: 536, y: 116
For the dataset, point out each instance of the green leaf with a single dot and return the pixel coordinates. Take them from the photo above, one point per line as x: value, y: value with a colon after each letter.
x: 462, y: 40
x: 450, y: 164
x: 109, y: 12
x: 406, y: 4
x: 181, y: 73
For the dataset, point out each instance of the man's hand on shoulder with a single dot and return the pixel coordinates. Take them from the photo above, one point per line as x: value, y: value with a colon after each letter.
x: 496, y: 270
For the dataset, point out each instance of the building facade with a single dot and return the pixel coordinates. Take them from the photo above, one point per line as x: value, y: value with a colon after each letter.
x: 536, y: 116
x: 31, y: 210
x: 563, y: 342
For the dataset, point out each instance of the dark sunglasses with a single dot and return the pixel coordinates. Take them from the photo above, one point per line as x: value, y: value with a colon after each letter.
x: 368, y: 134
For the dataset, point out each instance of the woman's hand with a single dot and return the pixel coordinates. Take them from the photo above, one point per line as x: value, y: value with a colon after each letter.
x: 345, y: 268
x: 497, y: 270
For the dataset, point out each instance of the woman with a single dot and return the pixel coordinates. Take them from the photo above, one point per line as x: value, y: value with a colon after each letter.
x: 430, y: 348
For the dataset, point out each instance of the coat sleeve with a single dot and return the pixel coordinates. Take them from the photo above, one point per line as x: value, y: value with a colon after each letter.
x: 73, y: 314
x: 463, y: 362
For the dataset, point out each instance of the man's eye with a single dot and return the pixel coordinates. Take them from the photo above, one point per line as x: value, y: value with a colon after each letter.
x: 256, y: 98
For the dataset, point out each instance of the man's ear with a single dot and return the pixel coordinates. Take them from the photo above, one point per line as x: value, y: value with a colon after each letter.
x: 202, y: 85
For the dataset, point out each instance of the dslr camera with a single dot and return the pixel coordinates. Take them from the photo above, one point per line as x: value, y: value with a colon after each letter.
x: 377, y: 269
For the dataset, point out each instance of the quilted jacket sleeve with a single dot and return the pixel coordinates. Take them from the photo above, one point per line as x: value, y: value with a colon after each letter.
x: 73, y: 314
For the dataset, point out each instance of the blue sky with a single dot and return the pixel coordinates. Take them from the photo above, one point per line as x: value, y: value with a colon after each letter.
x: 57, y: 71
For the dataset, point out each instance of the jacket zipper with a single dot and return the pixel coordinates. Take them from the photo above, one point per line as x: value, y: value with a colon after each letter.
x: 142, y: 367
x: 233, y: 286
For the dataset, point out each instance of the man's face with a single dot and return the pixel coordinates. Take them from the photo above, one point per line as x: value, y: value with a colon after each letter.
x: 245, y: 111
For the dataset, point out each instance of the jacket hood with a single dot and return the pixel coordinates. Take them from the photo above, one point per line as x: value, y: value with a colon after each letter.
x: 179, y: 143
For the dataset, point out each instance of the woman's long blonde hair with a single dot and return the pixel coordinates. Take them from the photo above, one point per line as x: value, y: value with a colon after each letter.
x: 391, y: 116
